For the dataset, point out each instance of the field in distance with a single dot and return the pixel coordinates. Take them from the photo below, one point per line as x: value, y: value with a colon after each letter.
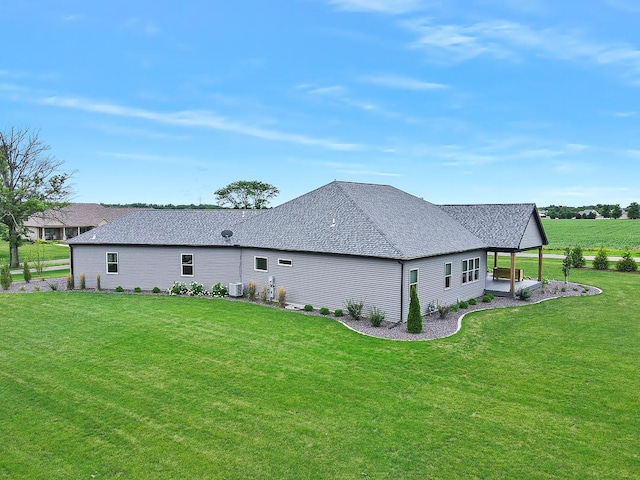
x: 614, y: 235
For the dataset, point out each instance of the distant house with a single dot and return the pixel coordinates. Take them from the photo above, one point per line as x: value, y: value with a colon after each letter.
x: 72, y: 220
x: 588, y: 213
x: 339, y: 242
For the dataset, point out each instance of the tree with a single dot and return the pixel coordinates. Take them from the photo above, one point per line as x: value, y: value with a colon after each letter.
x: 601, y: 261
x: 414, y: 319
x: 616, y: 211
x: 626, y: 263
x: 633, y: 211
x: 566, y: 264
x: 246, y: 194
x: 29, y: 183
x: 577, y: 257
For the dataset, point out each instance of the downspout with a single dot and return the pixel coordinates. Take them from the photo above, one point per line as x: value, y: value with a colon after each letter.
x: 401, y: 290
x: 71, y: 260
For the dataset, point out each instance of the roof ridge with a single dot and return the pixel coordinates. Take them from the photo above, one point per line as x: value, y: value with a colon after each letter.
x: 373, y: 222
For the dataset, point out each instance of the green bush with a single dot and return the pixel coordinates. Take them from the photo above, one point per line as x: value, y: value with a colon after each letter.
x: 338, y: 313
x: 523, y: 294
x: 53, y: 286
x: 196, y: 289
x: 626, y: 263
x: 219, y: 290
x: 119, y: 289
x: 414, y: 318
x: 487, y: 298
x: 454, y: 308
x: 156, y: 290
x: 473, y: 301
x: 355, y: 307
x: 5, y: 277
x: 176, y: 288
x: 601, y: 261
x: 26, y: 272
x: 324, y: 311
x: 308, y: 308
x: 83, y: 281
x: 463, y: 304
x: 137, y: 290
x: 577, y: 258
x: 376, y: 316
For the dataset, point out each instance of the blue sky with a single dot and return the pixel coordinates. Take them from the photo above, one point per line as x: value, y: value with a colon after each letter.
x: 454, y: 101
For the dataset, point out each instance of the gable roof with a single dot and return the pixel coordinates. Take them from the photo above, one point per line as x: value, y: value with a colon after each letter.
x: 501, y: 226
x: 77, y: 215
x: 339, y: 218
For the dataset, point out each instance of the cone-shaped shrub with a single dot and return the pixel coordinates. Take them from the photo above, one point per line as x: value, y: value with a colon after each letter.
x: 26, y: 272
x: 414, y: 320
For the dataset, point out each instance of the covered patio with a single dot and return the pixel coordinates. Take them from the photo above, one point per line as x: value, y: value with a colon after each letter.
x: 507, y: 281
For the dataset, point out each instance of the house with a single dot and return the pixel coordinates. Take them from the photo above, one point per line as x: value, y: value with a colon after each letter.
x: 588, y: 213
x: 341, y: 241
x: 72, y: 220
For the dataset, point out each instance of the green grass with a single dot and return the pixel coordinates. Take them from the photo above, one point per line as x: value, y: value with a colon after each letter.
x: 30, y: 252
x: 615, y: 235
x: 108, y: 385
x: 19, y: 277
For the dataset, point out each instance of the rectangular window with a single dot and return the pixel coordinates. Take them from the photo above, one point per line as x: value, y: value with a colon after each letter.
x: 285, y: 262
x: 112, y: 262
x: 413, y: 278
x: 447, y: 275
x: 471, y: 270
x: 187, y: 264
x: 261, y: 264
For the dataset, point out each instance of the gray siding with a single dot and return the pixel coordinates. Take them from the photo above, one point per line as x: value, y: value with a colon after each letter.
x: 431, y: 280
x: 149, y: 266
x: 324, y: 280
x: 532, y: 237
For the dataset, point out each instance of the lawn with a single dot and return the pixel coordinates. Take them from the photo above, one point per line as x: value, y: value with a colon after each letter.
x: 122, y: 386
x: 615, y: 235
x: 32, y: 251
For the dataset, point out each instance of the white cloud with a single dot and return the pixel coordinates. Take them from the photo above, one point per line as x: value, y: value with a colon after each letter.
x: 143, y: 27
x: 192, y: 118
x: 403, y: 83
x: 625, y: 5
x: 394, y: 7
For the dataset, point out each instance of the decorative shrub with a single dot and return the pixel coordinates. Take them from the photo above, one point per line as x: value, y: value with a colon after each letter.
x: 566, y: 264
x: 219, y: 290
x: 601, y: 261
x: 523, y: 294
x: 119, y: 289
x: 70, y: 283
x: 454, y: 308
x: 463, y: 304
x: 486, y: 298
x: 156, y: 290
x: 577, y: 258
x: 338, y: 313
x: 83, y: 281
x: 282, y: 297
x: 376, y: 316
x: 177, y: 288
x: 251, y: 290
x: 137, y: 290
x: 355, y: 307
x: 473, y: 301
x: 263, y: 294
x: 36, y: 288
x: 443, y: 310
x: 308, y: 308
x: 53, y: 286
x: 26, y: 272
x: 196, y: 289
x: 414, y: 318
x: 324, y: 311
x: 98, y: 286
x: 626, y: 263
x: 5, y: 276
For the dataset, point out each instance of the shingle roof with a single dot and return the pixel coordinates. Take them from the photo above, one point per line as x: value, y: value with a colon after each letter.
x: 77, y: 215
x: 340, y: 218
x: 499, y: 225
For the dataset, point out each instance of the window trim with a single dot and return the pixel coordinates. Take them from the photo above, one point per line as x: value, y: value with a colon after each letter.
x: 116, y: 263
x: 183, y: 264
x: 411, y: 284
x: 255, y: 264
x: 282, y: 262
x: 472, y: 272
x: 448, y: 276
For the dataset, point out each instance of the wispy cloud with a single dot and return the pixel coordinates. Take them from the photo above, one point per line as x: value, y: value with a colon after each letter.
x: 402, y: 82
x: 358, y: 169
x: 142, y: 27
x: 393, y: 7
x: 624, y: 114
x: 625, y: 5
x: 192, y: 118
x: 71, y: 17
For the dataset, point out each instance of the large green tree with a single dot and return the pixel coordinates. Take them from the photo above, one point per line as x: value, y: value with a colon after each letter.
x: 246, y: 194
x: 633, y: 211
x: 30, y: 182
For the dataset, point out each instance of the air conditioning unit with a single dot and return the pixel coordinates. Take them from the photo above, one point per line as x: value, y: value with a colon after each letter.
x: 236, y: 289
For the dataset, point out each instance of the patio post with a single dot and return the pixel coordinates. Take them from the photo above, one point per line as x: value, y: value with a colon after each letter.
x: 540, y: 263
x: 513, y: 272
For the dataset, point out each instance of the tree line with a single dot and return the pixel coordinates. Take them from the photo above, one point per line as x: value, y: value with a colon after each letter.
x: 613, y: 211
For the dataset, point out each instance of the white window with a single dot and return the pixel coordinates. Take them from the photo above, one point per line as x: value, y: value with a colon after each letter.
x: 261, y: 264
x: 285, y: 262
x: 413, y: 278
x: 112, y: 262
x: 447, y: 275
x: 470, y: 270
x: 186, y: 260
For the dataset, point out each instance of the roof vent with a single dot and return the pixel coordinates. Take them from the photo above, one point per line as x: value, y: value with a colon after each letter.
x: 227, y: 234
